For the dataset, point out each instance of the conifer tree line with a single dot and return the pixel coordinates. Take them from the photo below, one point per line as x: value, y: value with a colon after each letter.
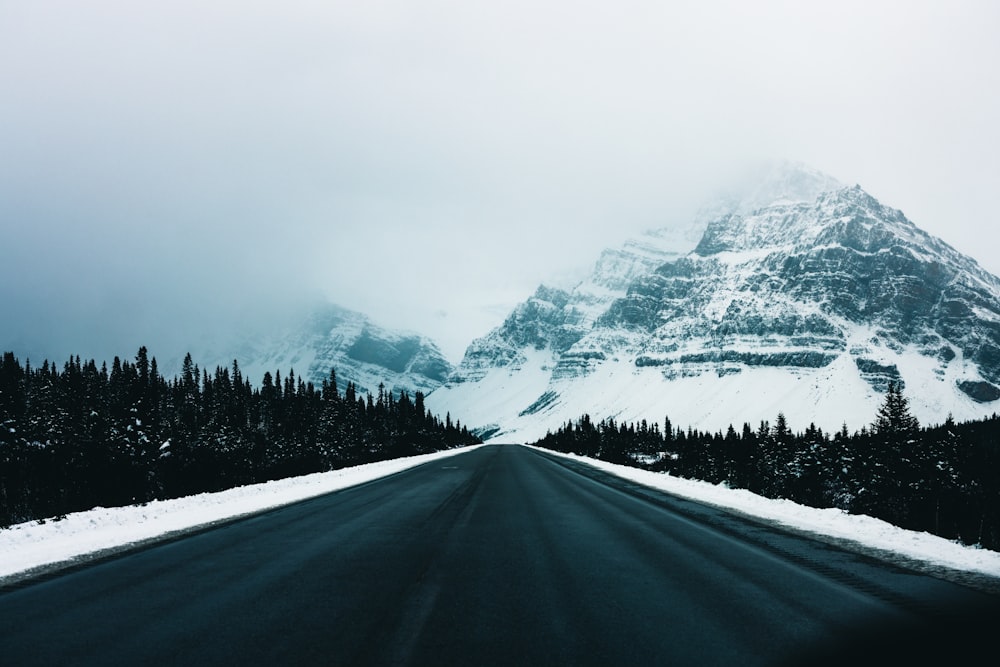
x: 86, y: 436
x: 944, y: 479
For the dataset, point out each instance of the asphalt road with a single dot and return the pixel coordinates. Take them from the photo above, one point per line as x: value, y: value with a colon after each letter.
x: 499, y: 556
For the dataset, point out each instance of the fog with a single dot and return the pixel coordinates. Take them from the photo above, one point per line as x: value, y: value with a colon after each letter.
x: 169, y: 171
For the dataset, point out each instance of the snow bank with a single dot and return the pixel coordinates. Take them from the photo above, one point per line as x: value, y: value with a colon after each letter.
x: 830, y: 522
x: 32, y: 545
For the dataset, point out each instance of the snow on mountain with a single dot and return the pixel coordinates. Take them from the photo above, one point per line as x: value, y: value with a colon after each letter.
x: 517, y: 358
x: 333, y: 337
x: 808, y: 304
x: 554, y: 319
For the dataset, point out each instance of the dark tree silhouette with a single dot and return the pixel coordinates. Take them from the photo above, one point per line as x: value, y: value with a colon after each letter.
x: 944, y: 479
x: 82, y: 437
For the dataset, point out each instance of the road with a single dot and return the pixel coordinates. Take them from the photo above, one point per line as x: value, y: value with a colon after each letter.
x: 498, y: 556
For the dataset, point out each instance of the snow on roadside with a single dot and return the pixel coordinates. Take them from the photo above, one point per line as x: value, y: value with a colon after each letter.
x: 830, y: 522
x: 31, y: 545
x: 27, y: 546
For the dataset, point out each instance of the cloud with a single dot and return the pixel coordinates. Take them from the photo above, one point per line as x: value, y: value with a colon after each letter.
x: 171, y: 167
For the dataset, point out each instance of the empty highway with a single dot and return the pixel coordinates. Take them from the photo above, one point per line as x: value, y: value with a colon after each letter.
x: 498, y: 556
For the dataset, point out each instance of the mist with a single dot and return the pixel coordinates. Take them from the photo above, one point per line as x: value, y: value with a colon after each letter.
x: 170, y: 172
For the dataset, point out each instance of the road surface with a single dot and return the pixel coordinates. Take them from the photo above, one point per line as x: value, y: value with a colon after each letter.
x: 499, y: 556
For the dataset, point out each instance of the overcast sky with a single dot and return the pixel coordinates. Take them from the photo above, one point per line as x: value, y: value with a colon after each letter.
x: 170, y: 168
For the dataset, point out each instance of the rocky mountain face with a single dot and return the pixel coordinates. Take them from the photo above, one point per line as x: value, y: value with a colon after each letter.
x: 554, y: 319
x: 799, y: 285
x: 802, y: 297
x: 333, y: 337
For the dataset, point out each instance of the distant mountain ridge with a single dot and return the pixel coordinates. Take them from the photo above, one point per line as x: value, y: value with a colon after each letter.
x: 801, y: 296
x: 330, y: 336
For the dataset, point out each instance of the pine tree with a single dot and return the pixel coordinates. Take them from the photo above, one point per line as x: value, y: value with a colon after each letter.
x: 330, y: 388
x: 894, y: 418
x: 893, y: 471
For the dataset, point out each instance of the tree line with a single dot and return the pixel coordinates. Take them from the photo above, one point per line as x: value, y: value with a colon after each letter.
x: 85, y: 436
x: 943, y: 479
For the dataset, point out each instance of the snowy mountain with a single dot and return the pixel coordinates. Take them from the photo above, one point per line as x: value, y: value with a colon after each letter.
x: 801, y: 296
x: 333, y: 337
x: 555, y: 319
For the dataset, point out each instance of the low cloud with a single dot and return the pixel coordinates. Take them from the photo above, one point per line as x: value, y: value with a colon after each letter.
x: 175, y: 169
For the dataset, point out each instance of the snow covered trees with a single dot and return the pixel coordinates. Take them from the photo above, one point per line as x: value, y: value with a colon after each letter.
x: 894, y: 419
x: 944, y: 479
x: 82, y: 437
x: 892, y: 469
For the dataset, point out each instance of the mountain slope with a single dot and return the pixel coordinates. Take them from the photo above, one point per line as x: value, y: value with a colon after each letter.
x: 333, y: 337
x: 809, y: 305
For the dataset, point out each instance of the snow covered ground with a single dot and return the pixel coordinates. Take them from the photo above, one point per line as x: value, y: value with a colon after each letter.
x: 35, y: 546
x: 707, y: 399
x: 913, y: 548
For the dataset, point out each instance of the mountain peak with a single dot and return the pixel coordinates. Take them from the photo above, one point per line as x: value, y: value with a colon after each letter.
x: 804, y: 296
x: 847, y: 215
x: 768, y: 183
x: 787, y: 182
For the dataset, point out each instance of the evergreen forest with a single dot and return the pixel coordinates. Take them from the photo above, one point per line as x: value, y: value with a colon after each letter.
x: 944, y: 479
x: 84, y: 436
